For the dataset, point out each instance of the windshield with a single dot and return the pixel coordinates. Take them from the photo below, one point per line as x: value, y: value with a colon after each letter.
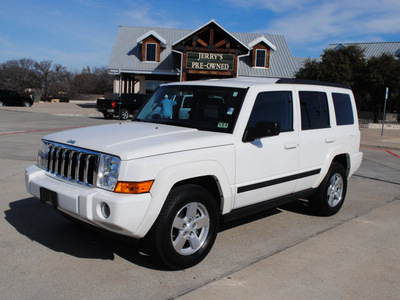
x: 202, y: 107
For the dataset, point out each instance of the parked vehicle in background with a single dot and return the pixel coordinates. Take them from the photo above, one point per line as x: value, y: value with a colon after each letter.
x: 122, y: 106
x: 12, y: 98
x: 199, y: 152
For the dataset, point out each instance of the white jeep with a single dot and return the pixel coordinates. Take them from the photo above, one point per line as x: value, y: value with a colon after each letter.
x: 214, y: 151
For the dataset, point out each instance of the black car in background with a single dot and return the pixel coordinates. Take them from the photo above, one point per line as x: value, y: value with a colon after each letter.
x: 12, y: 98
x: 120, y: 105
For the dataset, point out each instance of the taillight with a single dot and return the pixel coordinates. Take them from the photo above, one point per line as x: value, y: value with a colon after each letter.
x: 113, y: 104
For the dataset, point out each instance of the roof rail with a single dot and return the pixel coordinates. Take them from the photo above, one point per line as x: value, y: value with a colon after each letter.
x: 311, y: 82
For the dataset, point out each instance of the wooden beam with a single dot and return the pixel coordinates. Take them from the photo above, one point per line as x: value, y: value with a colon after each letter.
x: 202, y: 42
x: 220, y: 43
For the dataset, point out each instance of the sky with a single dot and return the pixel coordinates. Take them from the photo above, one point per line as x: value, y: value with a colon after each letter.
x: 80, y: 33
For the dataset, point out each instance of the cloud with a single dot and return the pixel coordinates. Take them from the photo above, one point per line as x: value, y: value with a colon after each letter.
x: 312, y: 24
x: 148, y: 16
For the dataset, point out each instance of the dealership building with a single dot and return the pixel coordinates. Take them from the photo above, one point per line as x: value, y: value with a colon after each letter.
x: 143, y: 58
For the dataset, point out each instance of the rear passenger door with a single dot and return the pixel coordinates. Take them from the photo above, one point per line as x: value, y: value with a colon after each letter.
x: 315, y: 136
x: 266, y: 168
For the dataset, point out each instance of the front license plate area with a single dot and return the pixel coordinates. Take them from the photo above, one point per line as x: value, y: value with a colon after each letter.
x: 47, y: 196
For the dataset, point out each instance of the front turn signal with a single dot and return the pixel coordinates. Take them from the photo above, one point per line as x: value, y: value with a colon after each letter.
x: 133, y: 187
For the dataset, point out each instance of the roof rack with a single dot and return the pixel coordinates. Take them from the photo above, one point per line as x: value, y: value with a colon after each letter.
x: 311, y: 82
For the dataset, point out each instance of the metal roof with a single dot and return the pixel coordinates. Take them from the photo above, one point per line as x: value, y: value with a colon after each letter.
x: 126, y: 54
x: 372, y: 49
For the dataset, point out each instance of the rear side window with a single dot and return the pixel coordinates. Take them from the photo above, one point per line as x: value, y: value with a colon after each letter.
x: 273, y: 107
x: 343, y: 109
x: 314, y: 110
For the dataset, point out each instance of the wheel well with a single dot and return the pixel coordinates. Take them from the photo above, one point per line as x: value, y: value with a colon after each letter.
x: 207, y: 182
x: 343, y: 159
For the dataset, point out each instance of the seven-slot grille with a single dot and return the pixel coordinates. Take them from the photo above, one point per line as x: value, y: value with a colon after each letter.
x: 73, y: 164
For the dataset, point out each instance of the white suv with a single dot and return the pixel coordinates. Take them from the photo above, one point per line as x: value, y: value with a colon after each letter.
x: 201, y: 152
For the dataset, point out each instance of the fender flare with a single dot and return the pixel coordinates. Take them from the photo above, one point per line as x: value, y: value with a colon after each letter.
x: 334, y: 152
x: 170, y: 176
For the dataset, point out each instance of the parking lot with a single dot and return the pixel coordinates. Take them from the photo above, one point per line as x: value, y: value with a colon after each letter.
x: 283, y: 253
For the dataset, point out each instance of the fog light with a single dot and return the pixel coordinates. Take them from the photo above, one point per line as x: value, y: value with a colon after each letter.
x: 105, y: 210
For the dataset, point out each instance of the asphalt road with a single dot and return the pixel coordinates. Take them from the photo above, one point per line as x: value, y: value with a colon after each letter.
x: 280, y: 253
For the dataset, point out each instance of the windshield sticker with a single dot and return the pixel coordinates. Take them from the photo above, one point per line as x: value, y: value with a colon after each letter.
x: 230, y: 111
x: 235, y: 94
x: 223, y: 125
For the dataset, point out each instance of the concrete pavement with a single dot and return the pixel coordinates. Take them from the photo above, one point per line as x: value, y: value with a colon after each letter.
x: 356, y: 260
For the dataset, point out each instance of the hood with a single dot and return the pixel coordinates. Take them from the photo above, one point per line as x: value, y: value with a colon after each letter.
x: 136, y: 140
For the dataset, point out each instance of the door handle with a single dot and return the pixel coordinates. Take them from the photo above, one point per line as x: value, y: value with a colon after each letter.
x: 329, y: 140
x: 291, y: 146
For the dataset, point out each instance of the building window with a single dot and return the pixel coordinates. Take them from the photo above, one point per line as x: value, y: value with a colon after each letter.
x: 152, y: 85
x: 151, y: 52
x: 261, y: 55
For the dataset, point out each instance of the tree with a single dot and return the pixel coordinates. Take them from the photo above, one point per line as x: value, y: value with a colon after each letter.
x: 367, y: 78
x: 19, y: 75
x: 382, y: 72
x: 52, y: 80
x: 345, y: 65
x: 93, y: 82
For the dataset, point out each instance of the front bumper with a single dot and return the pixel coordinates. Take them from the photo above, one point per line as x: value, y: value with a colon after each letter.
x: 84, y: 203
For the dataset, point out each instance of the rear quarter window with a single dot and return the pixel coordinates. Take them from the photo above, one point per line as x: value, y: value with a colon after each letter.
x: 343, y: 109
x: 314, y: 110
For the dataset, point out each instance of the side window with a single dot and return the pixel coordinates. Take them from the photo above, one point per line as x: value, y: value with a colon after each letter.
x: 314, y: 110
x: 273, y: 107
x: 151, y: 52
x: 343, y: 109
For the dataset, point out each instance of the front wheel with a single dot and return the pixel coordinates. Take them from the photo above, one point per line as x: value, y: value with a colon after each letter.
x: 330, y: 195
x: 186, y: 228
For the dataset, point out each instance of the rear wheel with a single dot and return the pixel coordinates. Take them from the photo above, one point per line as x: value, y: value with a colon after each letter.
x: 123, y: 114
x: 330, y: 195
x: 186, y: 228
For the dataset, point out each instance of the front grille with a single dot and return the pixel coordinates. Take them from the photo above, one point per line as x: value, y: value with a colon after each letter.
x: 71, y: 163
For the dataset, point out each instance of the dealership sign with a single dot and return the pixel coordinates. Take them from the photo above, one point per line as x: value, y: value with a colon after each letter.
x: 209, y: 61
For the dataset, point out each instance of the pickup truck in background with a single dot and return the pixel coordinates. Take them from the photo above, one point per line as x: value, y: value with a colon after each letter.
x: 120, y: 105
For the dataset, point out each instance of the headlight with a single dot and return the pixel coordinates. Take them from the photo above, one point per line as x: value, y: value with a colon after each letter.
x: 107, y: 175
x: 42, y: 156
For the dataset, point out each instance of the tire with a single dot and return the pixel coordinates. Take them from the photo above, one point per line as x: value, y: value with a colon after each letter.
x: 186, y: 228
x: 123, y: 114
x: 330, y: 195
x: 108, y: 115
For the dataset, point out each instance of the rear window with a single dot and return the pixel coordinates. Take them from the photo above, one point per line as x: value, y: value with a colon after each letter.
x: 314, y: 110
x: 343, y: 109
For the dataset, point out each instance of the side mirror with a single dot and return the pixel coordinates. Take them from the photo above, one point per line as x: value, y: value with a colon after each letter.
x: 262, y: 129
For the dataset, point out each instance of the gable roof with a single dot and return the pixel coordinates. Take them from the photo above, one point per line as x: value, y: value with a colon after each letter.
x: 205, y: 25
x: 261, y: 39
x: 126, y: 55
x: 151, y: 33
x: 372, y: 49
